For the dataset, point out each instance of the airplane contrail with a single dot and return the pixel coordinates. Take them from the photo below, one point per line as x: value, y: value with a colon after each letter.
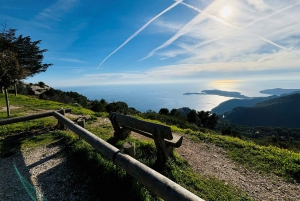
x: 181, y: 32
x: 141, y: 29
x: 236, y: 27
x: 213, y: 17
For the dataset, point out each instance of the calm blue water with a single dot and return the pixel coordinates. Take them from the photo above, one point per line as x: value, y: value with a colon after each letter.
x: 156, y: 96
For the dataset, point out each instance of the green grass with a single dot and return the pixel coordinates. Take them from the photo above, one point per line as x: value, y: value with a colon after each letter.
x: 87, y: 163
x: 265, y: 159
x: 177, y: 169
x: 32, y: 104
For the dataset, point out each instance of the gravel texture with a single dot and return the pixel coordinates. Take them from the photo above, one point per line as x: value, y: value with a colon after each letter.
x: 210, y: 160
x: 42, y: 173
x: 37, y: 174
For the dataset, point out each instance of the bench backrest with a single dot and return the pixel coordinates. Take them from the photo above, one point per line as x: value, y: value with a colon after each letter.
x: 144, y: 126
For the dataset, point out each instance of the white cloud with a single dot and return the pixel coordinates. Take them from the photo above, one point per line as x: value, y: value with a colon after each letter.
x: 140, y: 29
x: 72, y: 60
x: 57, y: 10
x: 164, y: 26
x: 258, y: 4
x: 262, y: 64
x: 184, y: 30
x: 207, y: 39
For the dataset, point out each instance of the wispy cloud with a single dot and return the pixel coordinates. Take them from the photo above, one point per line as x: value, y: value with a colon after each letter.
x: 141, y: 29
x: 184, y: 30
x: 259, y: 64
x: 57, y: 10
x: 258, y: 4
x: 72, y: 60
x: 203, y: 15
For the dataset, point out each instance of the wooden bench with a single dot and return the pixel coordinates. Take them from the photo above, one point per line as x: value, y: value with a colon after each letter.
x: 164, y: 140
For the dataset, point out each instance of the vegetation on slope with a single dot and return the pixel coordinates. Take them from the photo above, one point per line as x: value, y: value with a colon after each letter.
x: 282, y: 111
x: 265, y: 159
x: 87, y: 163
x: 95, y: 172
x: 233, y: 103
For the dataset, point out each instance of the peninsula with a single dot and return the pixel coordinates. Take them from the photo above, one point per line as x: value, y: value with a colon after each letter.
x: 219, y: 93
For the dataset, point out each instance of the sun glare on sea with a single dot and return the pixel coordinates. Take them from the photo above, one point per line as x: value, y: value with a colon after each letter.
x: 226, y: 11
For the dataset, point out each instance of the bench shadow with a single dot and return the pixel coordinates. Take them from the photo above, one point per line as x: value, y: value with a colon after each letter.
x: 15, y: 177
x: 76, y: 177
x: 98, y: 180
x: 147, y: 152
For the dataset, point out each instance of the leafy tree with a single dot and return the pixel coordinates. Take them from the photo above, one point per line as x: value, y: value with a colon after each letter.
x: 10, y: 70
x: 207, y: 119
x: 27, y: 52
x: 120, y: 107
x: 174, y: 112
x: 192, y: 117
x: 64, y: 97
x: 98, y: 106
x: 212, y: 121
x: 41, y: 84
x: 164, y: 111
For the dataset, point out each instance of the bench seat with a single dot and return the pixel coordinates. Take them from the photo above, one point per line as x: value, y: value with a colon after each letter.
x: 165, y: 141
x: 175, y: 142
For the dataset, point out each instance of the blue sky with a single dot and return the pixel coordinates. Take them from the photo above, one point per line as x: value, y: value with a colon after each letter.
x: 160, y: 41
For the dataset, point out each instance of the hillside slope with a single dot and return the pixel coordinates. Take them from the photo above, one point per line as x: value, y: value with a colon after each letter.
x: 214, y: 166
x: 282, y: 111
x: 233, y: 103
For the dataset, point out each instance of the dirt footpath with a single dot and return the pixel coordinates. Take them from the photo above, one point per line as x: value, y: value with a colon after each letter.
x: 207, y: 159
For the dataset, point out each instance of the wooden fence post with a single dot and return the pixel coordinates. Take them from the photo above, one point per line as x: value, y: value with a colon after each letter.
x: 81, y: 122
x: 129, y: 148
x: 61, y: 125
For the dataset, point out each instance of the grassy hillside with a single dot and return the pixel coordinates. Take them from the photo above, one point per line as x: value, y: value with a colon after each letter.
x: 233, y: 103
x: 282, y: 111
x: 100, y: 177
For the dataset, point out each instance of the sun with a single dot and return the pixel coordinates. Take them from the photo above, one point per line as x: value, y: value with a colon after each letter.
x: 226, y: 11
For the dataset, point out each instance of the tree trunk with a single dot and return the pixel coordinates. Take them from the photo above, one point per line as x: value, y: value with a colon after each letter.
x: 7, y: 102
x: 15, y: 87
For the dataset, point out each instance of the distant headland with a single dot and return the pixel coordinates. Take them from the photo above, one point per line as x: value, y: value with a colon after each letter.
x: 279, y: 91
x: 233, y: 94
x: 219, y: 93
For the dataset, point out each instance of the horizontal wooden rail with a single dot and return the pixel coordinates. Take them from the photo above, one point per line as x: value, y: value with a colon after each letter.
x: 142, y: 125
x: 29, y: 117
x: 159, y: 184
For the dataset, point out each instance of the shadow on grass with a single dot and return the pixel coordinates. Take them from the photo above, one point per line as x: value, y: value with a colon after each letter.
x: 15, y: 177
x: 100, y: 177
x: 83, y: 173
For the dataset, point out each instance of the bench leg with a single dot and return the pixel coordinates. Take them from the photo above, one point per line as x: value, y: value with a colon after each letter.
x: 161, y: 148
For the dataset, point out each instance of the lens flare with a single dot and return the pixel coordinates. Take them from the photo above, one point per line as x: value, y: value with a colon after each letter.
x: 226, y: 11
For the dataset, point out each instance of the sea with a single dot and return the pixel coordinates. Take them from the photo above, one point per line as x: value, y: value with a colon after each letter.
x: 144, y: 97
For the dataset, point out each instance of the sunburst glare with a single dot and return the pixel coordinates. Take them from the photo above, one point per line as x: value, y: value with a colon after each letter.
x: 226, y: 11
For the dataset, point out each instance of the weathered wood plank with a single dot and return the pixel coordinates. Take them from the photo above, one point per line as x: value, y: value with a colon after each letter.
x: 159, y: 184
x: 175, y: 142
x: 27, y: 118
x: 142, y: 125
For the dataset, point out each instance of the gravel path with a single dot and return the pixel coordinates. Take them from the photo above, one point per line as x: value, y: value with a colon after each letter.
x: 210, y: 160
x: 37, y: 174
x: 42, y: 173
x: 207, y: 159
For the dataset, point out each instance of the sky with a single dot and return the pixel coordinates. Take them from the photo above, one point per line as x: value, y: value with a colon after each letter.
x: 100, y: 42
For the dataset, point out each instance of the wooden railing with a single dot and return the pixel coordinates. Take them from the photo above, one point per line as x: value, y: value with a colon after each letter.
x: 159, y: 184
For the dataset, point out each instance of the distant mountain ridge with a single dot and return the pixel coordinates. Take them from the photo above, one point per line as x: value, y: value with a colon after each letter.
x: 249, y: 102
x: 233, y: 103
x: 279, y: 91
x: 281, y: 111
